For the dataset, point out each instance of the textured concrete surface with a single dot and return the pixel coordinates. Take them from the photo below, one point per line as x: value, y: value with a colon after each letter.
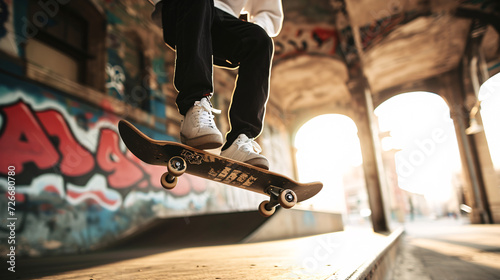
x: 443, y: 249
x: 327, y: 256
x: 448, y: 249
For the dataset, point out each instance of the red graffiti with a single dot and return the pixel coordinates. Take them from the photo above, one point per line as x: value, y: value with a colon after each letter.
x: 51, y: 189
x: 23, y: 140
x: 322, y: 35
x: 46, y: 140
x: 76, y: 160
x: 183, y: 185
x: 122, y: 171
x: 154, y: 171
x: 296, y: 40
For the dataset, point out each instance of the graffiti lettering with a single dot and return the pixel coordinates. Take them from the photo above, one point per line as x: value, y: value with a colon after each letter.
x: 297, y: 40
x: 116, y: 77
x: 44, y: 139
x: 111, y: 159
x: 76, y: 160
x: 23, y: 140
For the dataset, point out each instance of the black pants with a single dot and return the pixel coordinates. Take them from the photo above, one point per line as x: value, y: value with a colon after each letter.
x: 202, y: 36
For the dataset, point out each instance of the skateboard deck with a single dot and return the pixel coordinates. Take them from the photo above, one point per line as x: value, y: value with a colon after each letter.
x: 180, y: 158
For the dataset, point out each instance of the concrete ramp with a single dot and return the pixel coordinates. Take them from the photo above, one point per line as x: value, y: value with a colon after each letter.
x: 231, y: 228
x: 294, y: 223
x: 193, y: 231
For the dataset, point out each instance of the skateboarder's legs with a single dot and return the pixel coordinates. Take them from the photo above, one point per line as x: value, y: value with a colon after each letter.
x: 247, y: 45
x: 187, y: 26
x: 197, y: 30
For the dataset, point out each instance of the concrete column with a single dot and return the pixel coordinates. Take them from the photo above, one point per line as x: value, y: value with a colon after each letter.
x: 372, y: 157
x: 473, y: 182
x: 489, y: 191
x: 476, y: 159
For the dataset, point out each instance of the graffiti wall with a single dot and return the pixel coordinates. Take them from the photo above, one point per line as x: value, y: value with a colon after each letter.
x: 306, y: 39
x: 67, y: 182
x: 309, y: 28
x: 71, y: 185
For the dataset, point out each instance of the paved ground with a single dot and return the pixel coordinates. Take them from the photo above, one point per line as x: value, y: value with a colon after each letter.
x: 444, y: 249
x: 448, y: 249
x: 318, y: 257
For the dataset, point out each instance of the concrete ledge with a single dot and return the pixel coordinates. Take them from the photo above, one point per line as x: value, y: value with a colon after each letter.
x: 378, y: 264
x: 293, y: 223
x: 194, y: 231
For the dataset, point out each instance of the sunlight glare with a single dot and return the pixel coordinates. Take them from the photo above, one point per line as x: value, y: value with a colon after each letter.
x: 423, y: 133
x: 489, y: 94
x: 327, y: 146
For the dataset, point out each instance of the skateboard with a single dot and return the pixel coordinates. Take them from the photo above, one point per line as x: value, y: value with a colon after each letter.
x: 180, y: 159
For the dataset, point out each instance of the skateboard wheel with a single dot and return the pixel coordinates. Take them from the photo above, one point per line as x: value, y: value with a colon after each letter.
x: 287, y: 199
x: 168, y: 181
x: 263, y: 210
x: 176, y: 166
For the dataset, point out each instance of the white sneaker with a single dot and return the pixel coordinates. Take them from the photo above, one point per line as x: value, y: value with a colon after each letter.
x: 246, y: 150
x: 198, y: 128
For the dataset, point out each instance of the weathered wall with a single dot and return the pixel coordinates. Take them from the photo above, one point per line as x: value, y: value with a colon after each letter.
x: 73, y: 185
x: 76, y: 186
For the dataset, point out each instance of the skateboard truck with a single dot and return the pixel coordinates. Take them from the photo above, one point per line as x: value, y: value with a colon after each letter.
x: 176, y: 167
x: 284, y: 197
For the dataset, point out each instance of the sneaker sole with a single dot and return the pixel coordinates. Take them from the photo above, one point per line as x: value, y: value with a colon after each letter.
x: 259, y: 162
x: 203, y: 142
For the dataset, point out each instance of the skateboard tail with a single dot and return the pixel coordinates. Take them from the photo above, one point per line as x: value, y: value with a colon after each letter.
x: 137, y: 142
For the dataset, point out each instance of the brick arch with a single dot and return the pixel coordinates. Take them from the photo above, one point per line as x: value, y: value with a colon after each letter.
x: 440, y: 85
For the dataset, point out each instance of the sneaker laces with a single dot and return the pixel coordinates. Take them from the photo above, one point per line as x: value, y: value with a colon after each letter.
x: 249, y: 145
x: 204, y: 110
